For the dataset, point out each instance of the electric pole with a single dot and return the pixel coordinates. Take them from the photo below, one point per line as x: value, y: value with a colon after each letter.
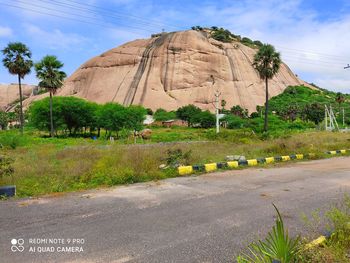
x: 217, y: 95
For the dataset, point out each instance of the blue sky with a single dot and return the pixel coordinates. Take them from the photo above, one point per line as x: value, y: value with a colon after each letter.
x: 312, y: 36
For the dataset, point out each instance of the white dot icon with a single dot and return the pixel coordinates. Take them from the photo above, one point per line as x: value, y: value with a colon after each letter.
x: 14, y: 241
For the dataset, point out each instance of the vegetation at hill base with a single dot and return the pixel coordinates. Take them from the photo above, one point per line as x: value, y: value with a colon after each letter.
x: 78, y: 158
x: 43, y: 165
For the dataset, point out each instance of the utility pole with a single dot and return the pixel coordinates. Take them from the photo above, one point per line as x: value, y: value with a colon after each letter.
x: 217, y: 95
x: 343, y: 117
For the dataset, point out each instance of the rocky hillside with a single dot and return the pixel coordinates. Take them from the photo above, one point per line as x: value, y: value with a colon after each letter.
x: 9, y: 94
x: 174, y: 69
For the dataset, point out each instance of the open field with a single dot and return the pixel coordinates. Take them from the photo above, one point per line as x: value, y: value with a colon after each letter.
x: 45, y: 165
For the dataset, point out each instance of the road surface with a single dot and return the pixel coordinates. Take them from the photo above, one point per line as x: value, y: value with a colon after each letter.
x: 206, y: 218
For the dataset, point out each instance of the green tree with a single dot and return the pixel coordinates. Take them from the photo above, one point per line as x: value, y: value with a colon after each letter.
x: 234, y: 122
x: 258, y: 43
x: 163, y: 115
x: 4, y: 120
x: 69, y: 113
x: 313, y: 112
x: 112, y: 117
x: 204, y: 118
x: 239, y: 111
x: 48, y: 70
x: 39, y: 114
x: 267, y: 62
x: 340, y: 99
x: 223, y: 104
x: 290, y: 113
x: 17, y: 59
x: 136, y: 116
x: 186, y: 113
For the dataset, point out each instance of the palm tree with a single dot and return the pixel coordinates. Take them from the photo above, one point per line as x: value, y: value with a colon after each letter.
x: 267, y: 62
x: 17, y: 59
x: 51, y: 79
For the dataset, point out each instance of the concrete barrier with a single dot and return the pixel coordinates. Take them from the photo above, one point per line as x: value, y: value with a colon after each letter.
x: 210, y: 167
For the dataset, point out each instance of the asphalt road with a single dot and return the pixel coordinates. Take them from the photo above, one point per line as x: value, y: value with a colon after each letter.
x: 206, y: 218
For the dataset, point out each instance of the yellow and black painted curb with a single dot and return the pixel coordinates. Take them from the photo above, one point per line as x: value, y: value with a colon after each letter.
x: 210, y: 167
x: 315, y: 242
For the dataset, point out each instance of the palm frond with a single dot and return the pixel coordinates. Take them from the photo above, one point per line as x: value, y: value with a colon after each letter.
x: 277, y: 246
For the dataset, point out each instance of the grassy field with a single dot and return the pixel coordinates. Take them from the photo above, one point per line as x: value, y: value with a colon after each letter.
x: 45, y: 165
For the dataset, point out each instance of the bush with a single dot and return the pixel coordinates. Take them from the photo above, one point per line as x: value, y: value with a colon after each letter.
x: 258, y: 43
x: 222, y: 35
x: 234, y: 122
x: 187, y: 113
x: 4, y: 120
x: 163, y: 115
x: 205, y: 119
x: 246, y: 40
x: 313, y: 112
x: 12, y: 139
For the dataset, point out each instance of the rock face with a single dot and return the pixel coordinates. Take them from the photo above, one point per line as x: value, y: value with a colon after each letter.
x: 9, y: 94
x: 174, y: 70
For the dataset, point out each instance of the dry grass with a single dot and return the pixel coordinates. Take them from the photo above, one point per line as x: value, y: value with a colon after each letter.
x: 48, y: 168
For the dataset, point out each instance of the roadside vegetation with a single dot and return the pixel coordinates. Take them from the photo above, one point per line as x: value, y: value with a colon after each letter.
x: 42, y: 165
x: 280, y: 246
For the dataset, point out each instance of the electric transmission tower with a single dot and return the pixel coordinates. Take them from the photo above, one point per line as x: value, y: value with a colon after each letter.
x: 331, y: 123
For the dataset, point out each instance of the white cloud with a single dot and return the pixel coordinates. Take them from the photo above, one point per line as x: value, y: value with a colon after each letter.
x: 313, y: 46
x: 55, y: 39
x: 5, y: 31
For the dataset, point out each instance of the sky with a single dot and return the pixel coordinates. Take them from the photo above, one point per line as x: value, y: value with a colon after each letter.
x: 312, y: 36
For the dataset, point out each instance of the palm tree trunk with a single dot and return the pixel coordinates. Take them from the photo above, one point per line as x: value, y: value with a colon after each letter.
x: 21, y: 119
x: 266, y: 104
x: 52, y: 132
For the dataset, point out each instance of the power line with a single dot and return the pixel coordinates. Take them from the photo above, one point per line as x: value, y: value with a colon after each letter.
x: 71, y: 13
x: 73, y: 19
x: 106, y: 13
x: 115, y: 12
x: 314, y: 57
x: 313, y: 61
x: 310, y: 52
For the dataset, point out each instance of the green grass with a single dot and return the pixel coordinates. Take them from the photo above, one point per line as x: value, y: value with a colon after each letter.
x: 49, y: 165
x: 278, y: 246
x: 337, y: 246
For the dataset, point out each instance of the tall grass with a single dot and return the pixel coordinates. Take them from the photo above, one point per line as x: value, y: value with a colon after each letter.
x: 44, y: 165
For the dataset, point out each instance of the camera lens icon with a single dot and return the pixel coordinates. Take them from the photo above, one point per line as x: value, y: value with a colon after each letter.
x: 17, y: 245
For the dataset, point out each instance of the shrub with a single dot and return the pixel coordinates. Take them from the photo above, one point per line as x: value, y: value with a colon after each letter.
x: 187, y: 113
x: 4, y: 120
x: 313, y: 112
x: 234, y: 122
x: 205, y: 119
x: 163, y: 115
x: 222, y: 35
